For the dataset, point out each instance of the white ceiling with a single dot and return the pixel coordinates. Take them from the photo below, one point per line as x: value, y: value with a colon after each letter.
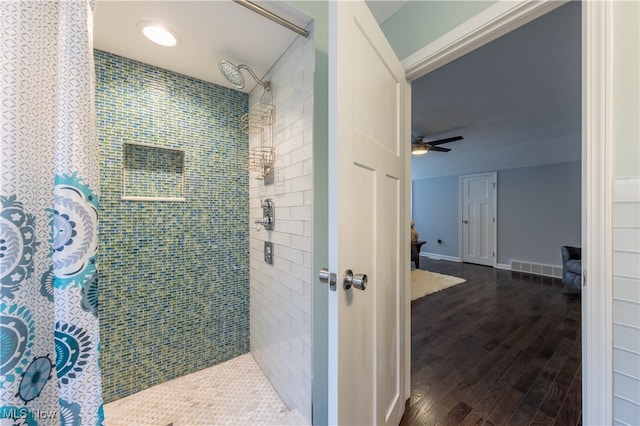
x: 516, y: 100
x: 209, y: 31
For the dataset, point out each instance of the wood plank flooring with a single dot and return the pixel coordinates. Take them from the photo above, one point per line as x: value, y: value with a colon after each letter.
x: 502, y: 348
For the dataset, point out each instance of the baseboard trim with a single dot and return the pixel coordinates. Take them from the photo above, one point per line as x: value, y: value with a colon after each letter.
x: 523, y: 266
x: 436, y: 256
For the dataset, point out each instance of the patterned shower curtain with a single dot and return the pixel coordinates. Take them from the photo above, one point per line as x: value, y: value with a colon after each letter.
x: 49, y: 335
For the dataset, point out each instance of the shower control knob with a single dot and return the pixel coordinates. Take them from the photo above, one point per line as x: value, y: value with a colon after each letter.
x: 268, y: 218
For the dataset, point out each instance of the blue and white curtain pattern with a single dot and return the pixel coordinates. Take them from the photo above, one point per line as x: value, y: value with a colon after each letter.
x: 49, y: 335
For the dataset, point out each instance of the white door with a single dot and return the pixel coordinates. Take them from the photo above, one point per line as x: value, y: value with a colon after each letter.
x: 368, y: 220
x: 478, y: 201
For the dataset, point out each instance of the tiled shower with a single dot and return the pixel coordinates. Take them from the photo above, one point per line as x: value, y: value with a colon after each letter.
x: 174, y: 286
x: 178, y: 266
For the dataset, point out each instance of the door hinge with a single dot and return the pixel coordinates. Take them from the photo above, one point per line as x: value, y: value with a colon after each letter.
x: 494, y: 254
x: 494, y: 220
x: 584, y: 278
x: 494, y: 185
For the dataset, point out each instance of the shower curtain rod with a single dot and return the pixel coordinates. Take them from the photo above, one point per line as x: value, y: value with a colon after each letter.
x: 272, y: 16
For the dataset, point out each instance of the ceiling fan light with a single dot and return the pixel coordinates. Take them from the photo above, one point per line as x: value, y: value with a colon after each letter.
x: 419, y: 149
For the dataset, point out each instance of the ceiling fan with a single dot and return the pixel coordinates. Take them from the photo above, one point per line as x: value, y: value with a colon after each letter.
x: 420, y: 147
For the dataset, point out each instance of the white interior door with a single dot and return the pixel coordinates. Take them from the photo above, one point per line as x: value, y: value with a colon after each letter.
x: 368, y: 220
x: 478, y: 227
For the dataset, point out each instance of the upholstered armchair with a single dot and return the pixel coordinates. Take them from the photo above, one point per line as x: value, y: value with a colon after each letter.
x: 572, y: 268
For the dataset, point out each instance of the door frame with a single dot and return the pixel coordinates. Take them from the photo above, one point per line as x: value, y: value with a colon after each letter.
x: 493, y: 177
x: 597, y: 147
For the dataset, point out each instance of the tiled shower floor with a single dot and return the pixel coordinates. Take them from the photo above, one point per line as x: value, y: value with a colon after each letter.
x: 235, y: 392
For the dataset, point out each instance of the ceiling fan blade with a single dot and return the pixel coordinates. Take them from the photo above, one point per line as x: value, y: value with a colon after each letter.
x: 437, y: 148
x: 447, y: 140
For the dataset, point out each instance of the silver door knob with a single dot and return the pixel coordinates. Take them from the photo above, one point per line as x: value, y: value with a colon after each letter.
x: 327, y: 277
x: 465, y: 221
x: 358, y: 281
x: 324, y: 275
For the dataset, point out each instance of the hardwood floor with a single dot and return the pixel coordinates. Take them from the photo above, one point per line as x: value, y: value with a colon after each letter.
x: 502, y: 348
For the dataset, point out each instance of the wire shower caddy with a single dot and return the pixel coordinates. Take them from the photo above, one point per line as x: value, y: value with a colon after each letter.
x: 259, y: 121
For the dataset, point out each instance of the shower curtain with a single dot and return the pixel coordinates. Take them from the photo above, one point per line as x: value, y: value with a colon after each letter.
x: 49, y: 335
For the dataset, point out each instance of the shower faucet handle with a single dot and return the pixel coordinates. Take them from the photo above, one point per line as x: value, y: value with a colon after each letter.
x: 268, y: 218
x: 263, y: 221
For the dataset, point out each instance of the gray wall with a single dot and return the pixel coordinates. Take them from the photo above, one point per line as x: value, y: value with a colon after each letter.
x: 435, y: 212
x: 538, y: 211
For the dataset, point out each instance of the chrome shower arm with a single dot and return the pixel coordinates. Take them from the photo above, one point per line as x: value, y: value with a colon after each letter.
x: 265, y: 84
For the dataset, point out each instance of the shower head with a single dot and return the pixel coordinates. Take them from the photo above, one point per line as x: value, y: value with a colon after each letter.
x: 235, y: 77
x: 231, y: 73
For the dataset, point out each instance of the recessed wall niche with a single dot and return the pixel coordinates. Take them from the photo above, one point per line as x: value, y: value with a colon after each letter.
x: 152, y: 173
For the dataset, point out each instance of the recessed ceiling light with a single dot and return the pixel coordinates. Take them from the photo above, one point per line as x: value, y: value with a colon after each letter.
x: 159, y: 34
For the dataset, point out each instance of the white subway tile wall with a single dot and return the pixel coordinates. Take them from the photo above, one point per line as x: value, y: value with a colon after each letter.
x: 281, y: 293
x: 626, y: 301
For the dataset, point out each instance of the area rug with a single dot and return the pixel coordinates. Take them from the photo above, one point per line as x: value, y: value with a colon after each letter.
x: 425, y: 282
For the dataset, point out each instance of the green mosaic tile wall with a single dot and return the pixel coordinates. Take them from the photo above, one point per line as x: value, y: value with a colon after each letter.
x: 174, y: 288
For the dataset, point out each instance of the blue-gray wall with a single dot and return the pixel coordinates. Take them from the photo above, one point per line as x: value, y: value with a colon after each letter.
x: 174, y: 287
x: 538, y: 211
x: 435, y: 210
